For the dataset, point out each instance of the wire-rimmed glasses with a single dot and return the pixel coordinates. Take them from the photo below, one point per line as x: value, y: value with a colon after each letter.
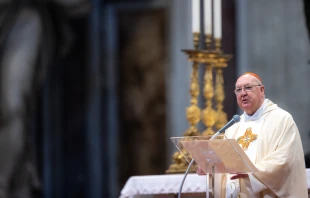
x: 247, y: 88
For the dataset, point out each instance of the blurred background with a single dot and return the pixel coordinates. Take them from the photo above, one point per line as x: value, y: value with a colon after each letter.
x: 92, y: 90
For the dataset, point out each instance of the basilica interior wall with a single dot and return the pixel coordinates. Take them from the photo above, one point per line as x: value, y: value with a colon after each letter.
x: 273, y: 42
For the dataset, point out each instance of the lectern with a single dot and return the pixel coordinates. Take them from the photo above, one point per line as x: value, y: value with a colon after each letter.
x: 218, y: 155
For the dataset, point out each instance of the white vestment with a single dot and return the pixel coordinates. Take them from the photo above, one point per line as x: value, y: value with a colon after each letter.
x: 277, y: 153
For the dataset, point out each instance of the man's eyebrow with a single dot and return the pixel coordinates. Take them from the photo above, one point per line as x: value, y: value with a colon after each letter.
x: 243, y: 85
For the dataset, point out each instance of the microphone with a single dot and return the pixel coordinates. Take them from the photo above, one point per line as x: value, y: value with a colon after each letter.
x: 235, y: 119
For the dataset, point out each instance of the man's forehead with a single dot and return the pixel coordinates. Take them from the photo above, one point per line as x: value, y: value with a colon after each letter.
x: 244, y: 80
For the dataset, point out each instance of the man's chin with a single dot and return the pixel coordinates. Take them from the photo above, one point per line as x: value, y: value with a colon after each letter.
x: 245, y: 106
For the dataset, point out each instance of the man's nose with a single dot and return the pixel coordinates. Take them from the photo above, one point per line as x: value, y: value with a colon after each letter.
x: 243, y: 92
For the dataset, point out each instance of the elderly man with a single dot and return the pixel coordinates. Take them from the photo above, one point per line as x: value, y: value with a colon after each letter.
x: 270, y: 138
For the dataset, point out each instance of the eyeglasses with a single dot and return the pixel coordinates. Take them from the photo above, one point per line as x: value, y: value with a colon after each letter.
x: 247, y: 88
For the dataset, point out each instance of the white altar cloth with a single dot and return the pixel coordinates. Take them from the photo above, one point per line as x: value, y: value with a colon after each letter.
x: 162, y: 184
x: 168, y: 184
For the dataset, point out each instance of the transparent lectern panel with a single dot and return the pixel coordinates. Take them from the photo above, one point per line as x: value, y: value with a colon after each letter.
x: 222, y: 153
x: 178, y: 143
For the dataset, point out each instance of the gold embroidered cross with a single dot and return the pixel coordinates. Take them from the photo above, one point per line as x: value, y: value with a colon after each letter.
x: 247, y: 138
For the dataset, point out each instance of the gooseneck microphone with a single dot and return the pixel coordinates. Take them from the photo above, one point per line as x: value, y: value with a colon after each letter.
x: 235, y: 119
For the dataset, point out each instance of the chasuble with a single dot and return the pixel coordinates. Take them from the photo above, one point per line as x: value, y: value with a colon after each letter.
x: 271, y: 140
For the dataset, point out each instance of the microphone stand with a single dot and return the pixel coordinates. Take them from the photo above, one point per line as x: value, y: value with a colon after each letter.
x: 185, y: 175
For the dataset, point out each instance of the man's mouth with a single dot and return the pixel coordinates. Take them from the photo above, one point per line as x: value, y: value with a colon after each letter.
x: 245, y: 100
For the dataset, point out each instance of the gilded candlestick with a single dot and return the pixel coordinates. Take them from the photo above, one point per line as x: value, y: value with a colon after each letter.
x: 219, y: 90
x: 208, y: 114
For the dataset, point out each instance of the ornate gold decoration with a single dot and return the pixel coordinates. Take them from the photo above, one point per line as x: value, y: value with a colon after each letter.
x: 193, y: 116
x: 218, y: 45
x: 207, y: 57
x: 180, y: 164
x: 196, y: 39
x: 247, y: 138
x: 212, y: 59
x: 208, y: 41
x: 222, y: 62
x: 219, y: 98
x: 193, y: 111
x: 208, y: 114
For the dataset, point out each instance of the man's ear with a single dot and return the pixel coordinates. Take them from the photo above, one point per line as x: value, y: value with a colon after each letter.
x: 262, y: 88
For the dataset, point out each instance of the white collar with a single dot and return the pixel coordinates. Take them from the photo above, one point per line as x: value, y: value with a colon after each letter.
x: 257, y: 114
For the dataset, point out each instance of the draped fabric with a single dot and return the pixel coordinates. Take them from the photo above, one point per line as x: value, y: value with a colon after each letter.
x: 279, y: 156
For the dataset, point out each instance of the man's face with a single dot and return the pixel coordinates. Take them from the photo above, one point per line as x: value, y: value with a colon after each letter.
x: 250, y: 93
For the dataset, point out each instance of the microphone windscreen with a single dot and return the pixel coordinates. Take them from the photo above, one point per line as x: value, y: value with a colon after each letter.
x: 236, y: 118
